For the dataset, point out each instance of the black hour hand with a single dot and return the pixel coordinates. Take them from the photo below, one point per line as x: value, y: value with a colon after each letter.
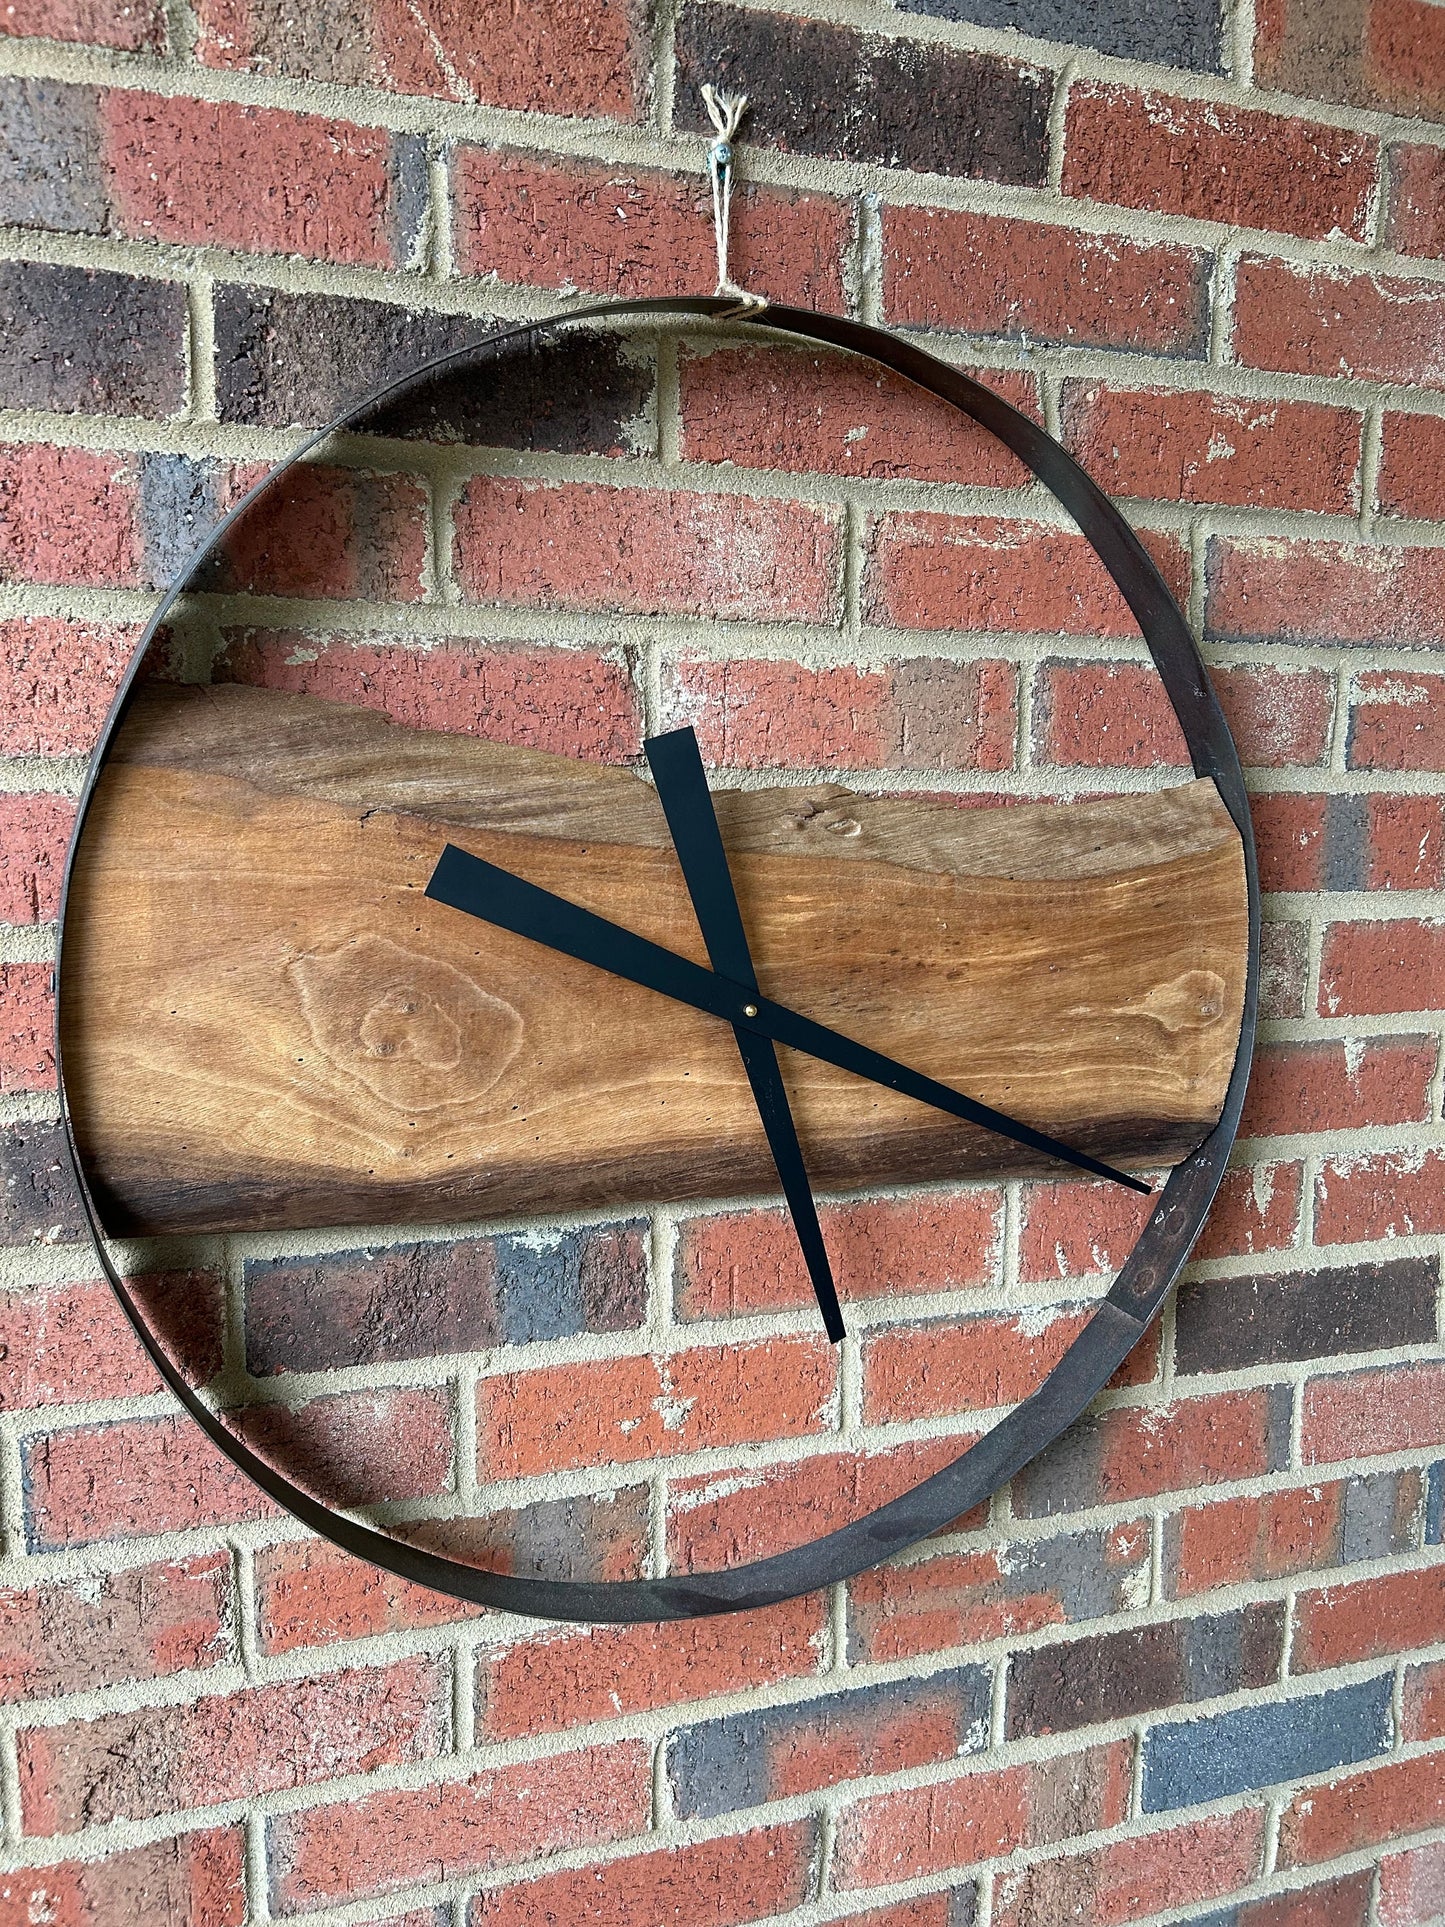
x: 682, y: 786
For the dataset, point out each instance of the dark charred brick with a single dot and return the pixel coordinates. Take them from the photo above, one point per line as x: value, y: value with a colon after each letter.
x: 428, y: 1299
x: 180, y: 505
x: 1224, y: 1323
x: 821, y: 89
x: 1321, y: 48
x: 364, y: 1307
x: 50, y: 170
x: 1188, y: 1762
x: 1175, y: 33
x: 300, y: 358
x: 81, y: 339
x: 1380, y: 1516
x: 1347, y: 843
x: 38, y: 1200
x: 587, y: 1537
x: 721, y: 1766
x: 555, y: 1285
x: 1116, y: 1675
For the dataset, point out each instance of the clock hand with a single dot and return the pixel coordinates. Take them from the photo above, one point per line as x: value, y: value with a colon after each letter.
x: 682, y: 786
x: 481, y: 889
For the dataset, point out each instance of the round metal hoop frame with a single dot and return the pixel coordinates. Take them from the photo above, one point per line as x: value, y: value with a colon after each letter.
x: 1162, y: 1248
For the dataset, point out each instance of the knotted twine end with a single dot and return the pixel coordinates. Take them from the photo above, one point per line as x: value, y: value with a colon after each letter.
x: 725, y: 111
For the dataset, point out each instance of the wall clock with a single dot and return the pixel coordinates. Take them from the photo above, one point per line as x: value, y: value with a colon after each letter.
x: 317, y: 969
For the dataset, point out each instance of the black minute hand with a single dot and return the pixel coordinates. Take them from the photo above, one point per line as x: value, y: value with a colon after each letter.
x: 494, y: 895
x: 682, y: 785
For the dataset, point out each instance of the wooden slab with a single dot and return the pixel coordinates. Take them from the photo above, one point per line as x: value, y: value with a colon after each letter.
x: 267, y: 1024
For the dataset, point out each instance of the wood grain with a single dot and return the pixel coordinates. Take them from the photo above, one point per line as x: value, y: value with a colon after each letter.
x: 267, y: 1024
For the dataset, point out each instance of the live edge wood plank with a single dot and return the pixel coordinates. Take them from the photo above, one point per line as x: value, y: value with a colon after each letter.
x: 266, y: 1023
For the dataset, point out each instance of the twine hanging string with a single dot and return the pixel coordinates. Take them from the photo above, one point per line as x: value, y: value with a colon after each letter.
x: 725, y: 111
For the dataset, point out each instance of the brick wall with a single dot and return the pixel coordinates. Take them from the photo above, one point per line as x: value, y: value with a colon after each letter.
x: 1192, y: 1666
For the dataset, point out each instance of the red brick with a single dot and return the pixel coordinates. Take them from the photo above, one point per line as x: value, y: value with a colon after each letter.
x: 1211, y: 162
x: 1139, y: 1452
x: 1412, y: 1886
x: 1117, y: 716
x: 453, y: 1828
x: 557, y: 56
x: 330, y: 532
x: 356, y: 1448
x: 1338, y: 1087
x: 1394, y: 1408
x: 736, y: 1262
x: 1333, y: 321
x: 1340, y: 1625
x: 57, y: 679
x: 1397, y: 722
x: 1271, y: 589
x: 1412, y: 466
x: 1214, y: 448
x: 217, y: 174
x: 633, y: 232
x: 310, y: 1594
x: 1290, y: 832
x: 924, y: 714
x: 232, y: 1746
x: 1098, y: 715
x: 1278, y: 717
x: 70, y: 516
x: 1390, y: 1194
x: 67, y: 1342
x: 197, y: 1880
x: 974, y: 1365
x: 929, y: 1910
x: 27, y: 1041
x: 142, y: 1622
x: 34, y: 831
x: 1405, y: 55
x: 841, y: 415
x: 129, y: 1478
x: 1362, y: 1810
x: 990, y: 276
x: 1423, y: 1702
x: 1191, y: 1442
x: 1415, y: 219
x: 749, y: 1877
x: 1405, y: 842
x: 899, y: 1611
x: 573, y: 702
x: 1267, y: 1537
x: 928, y: 1829
x: 139, y: 26
x: 1080, y: 1229
x: 567, y: 1676
x: 1200, y: 1861
x: 1373, y: 969
x: 723, y: 1519
x: 615, y: 1411
x: 993, y: 573
x: 1256, y: 1209
x: 571, y: 545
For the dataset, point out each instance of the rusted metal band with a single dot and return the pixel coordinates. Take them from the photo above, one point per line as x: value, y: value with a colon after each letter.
x: 1163, y: 1246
